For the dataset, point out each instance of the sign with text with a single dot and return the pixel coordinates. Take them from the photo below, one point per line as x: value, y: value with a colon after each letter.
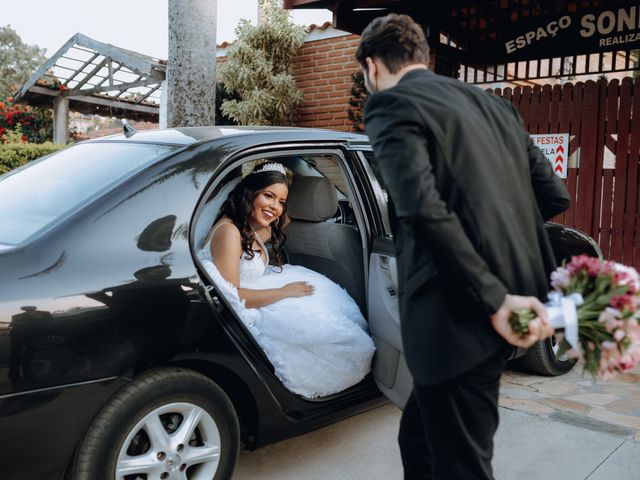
x: 566, y: 33
x: 555, y: 147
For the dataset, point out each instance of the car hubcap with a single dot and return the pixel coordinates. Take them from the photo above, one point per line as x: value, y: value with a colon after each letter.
x: 174, y: 441
x: 555, y: 348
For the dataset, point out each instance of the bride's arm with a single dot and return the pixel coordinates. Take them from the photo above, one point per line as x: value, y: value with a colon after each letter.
x: 226, y: 250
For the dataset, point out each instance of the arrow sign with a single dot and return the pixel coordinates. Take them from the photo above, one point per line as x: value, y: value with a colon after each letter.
x: 555, y: 147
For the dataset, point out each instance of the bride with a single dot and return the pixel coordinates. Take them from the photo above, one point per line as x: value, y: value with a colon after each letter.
x: 311, y: 330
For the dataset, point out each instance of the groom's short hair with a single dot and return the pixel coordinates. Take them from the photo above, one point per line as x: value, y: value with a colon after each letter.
x: 396, y: 40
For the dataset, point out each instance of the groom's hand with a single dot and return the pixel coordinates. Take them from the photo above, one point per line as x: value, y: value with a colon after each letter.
x: 539, y: 327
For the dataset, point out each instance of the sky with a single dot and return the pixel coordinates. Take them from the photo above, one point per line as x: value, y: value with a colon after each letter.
x: 138, y: 25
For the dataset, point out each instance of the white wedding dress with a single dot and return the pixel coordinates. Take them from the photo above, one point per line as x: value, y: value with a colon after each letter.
x: 318, y: 344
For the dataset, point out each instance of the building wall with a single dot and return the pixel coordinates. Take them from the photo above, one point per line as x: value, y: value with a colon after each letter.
x: 323, y: 71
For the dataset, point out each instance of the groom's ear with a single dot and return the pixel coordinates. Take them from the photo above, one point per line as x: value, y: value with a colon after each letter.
x: 370, y: 67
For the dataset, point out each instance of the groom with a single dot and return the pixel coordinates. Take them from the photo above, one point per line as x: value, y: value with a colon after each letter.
x: 470, y: 194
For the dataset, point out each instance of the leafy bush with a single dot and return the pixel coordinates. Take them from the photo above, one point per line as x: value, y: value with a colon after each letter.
x: 15, y: 152
x: 223, y: 95
x: 258, y: 69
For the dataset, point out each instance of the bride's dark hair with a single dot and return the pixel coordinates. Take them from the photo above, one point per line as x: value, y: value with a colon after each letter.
x: 239, y: 204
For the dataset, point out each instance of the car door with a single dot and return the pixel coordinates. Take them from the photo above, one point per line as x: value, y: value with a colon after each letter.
x: 390, y: 369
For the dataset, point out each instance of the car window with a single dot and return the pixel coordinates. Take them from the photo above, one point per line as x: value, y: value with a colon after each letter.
x: 329, y: 167
x: 43, y: 191
x: 368, y: 155
x: 380, y: 191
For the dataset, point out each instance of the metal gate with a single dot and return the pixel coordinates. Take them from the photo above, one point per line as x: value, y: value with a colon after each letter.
x: 603, y: 121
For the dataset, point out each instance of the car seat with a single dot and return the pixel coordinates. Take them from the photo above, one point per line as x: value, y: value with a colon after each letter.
x: 335, y: 250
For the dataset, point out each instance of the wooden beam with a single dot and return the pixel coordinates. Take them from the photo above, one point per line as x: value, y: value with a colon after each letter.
x: 45, y: 91
x: 124, y: 91
x: 151, y: 90
x: 115, y: 104
x: 88, y: 76
x: 109, y: 88
x: 44, y: 68
x: 115, y: 70
x: 110, y: 73
x: 97, y: 100
x: 93, y: 57
x: 141, y: 64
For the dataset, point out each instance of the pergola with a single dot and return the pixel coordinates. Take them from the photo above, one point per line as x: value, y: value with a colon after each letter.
x: 484, y: 41
x: 88, y: 76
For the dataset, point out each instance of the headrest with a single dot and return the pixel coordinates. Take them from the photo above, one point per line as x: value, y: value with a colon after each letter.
x: 313, y: 199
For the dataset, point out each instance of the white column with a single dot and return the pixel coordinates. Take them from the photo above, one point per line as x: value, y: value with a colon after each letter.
x: 60, y: 119
x: 191, y: 68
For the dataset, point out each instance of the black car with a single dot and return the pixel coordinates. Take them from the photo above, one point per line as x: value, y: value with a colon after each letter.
x: 118, y: 356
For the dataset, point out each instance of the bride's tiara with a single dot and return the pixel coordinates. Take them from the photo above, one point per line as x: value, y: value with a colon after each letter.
x: 271, y: 167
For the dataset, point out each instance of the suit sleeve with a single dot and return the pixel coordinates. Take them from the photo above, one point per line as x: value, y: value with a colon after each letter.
x: 400, y: 146
x: 551, y: 193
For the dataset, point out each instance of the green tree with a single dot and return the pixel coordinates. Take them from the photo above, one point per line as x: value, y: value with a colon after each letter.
x: 223, y: 94
x: 18, y: 61
x: 258, y: 69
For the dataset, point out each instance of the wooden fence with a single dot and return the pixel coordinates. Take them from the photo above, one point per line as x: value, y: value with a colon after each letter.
x: 603, y: 121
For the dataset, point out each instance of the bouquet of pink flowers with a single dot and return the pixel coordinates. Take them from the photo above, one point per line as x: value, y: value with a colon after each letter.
x: 596, y: 303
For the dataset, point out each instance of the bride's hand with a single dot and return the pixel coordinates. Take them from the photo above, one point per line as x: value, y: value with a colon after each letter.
x: 297, y: 289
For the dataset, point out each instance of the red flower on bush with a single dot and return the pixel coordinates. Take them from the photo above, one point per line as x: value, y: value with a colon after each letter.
x: 36, y: 123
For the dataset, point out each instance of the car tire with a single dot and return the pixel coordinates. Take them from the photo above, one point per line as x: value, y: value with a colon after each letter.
x: 165, y: 421
x: 542, y: 359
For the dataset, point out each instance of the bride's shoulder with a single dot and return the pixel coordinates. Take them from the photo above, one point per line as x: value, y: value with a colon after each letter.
x: 225, y: 230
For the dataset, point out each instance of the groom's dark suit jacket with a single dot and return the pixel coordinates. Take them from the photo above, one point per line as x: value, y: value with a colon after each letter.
x: 470, y: 194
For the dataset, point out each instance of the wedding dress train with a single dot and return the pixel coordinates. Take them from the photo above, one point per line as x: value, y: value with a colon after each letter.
x: 318, y: 344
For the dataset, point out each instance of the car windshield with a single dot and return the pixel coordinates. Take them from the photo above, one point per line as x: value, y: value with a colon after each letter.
x: 44, y: 191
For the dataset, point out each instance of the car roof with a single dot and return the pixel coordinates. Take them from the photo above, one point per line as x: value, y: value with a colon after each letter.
x: 190, y: 135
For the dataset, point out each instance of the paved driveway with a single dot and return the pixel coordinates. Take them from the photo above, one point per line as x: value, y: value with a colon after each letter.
x: 563, y: 428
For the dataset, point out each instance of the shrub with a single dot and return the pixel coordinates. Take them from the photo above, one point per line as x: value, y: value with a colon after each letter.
x: 37, y: 123
x: 15, y: 152
x: 223, y: 95
x: 258, y: 69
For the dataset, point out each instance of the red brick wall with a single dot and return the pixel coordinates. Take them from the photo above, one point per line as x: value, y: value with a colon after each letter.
x: 323, y: 70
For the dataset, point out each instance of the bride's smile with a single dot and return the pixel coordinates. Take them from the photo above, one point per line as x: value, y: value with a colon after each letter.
x: 268, y: 204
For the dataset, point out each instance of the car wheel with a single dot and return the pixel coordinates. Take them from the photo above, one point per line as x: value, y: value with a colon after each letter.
x: 168, y: 423
x: 543, y: 358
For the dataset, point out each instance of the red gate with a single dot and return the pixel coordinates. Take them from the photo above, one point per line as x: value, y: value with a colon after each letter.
x: 603, y: 121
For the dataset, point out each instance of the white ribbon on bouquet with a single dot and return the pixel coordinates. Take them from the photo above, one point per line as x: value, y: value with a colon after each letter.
x: 563, y: 313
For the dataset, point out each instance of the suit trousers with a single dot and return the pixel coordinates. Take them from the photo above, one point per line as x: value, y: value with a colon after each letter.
x: 447, y: 429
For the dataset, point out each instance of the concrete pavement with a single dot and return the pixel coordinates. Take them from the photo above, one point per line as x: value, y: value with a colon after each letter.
x: 540, y: 437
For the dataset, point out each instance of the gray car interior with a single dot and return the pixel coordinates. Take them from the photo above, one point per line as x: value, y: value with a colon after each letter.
x: 333, y: 249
